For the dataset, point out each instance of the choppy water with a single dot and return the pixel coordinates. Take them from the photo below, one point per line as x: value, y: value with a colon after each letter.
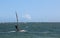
x: 34, y: 30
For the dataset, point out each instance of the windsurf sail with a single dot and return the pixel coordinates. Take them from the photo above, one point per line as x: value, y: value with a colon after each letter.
x: 16, y: 26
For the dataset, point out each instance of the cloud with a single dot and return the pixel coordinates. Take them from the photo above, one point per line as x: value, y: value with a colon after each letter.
x: 27, y: 16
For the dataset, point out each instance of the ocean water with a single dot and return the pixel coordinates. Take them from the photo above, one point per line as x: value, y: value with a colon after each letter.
x: 34, y: 30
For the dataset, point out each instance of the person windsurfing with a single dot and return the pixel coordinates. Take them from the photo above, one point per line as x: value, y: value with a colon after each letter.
x: 16, y: 26
x: 17, y: 29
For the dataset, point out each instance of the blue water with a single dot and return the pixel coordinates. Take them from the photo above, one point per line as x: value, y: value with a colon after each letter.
x: 34, y: 30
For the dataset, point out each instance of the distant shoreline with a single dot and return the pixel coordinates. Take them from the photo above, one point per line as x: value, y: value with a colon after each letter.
x: 30, y: 22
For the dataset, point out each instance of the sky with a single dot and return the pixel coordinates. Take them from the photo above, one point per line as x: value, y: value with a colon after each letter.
x: 30, y: 10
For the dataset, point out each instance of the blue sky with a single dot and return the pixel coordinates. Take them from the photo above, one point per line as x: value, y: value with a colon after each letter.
x: 30, y: 10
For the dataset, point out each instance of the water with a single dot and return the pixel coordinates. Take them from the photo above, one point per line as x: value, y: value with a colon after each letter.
x: 34, y: 30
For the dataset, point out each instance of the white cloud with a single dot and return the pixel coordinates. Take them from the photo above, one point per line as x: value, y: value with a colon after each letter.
x: 27, y: 16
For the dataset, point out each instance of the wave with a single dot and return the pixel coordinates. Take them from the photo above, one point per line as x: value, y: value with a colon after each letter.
x: 27, y: 32
x: 42, y: 32
x: 8, y: 32
x: 14, y: 31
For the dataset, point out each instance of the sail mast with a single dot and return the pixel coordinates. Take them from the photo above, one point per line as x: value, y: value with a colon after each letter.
x: 17, y: 18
